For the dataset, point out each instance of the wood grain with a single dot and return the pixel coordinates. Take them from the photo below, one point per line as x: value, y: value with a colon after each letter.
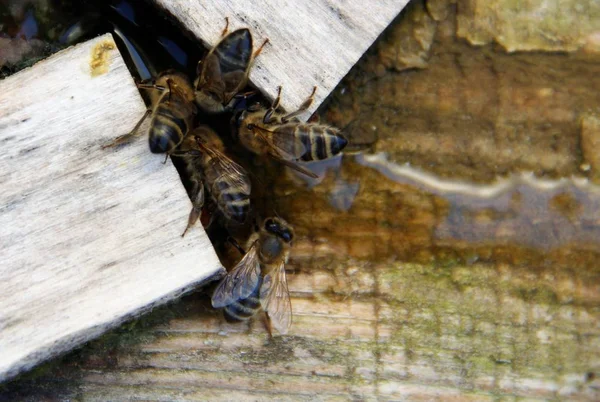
x: 362, y: 331
x: 312, y: 42
x: 89, y: 237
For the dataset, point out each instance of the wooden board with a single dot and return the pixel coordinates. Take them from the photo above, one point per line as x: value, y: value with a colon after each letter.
x: 362, y: 331
x: 311, y: 42
x: 88, y: 237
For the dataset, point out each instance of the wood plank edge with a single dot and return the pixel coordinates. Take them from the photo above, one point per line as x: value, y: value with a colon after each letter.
x: 77, y: 339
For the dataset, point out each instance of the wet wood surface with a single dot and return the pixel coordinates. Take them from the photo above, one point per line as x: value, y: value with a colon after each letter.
x: 310, y: 42
x: 89, y: 237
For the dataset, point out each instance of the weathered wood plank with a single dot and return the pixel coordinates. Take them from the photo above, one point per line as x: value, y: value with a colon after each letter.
x: 311, y: 42
x: 362, y: 331
x: 88, y: 237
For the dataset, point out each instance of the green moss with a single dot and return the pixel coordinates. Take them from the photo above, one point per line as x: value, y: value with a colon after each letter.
x: 537, y: 293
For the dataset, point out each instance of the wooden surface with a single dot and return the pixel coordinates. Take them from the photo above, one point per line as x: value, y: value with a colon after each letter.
x: 362, y: 331
x: 311, y: 42
x: 88, y: 237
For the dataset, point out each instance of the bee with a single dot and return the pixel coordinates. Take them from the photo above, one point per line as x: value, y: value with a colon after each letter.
x: 285, y: 138
x: 223, y: 72
x: 226, y: 181
x: 172, y: 110
x: 258, y: 280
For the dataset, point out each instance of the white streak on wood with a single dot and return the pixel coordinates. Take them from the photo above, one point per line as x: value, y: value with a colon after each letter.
x: 436, y: 185
x: 88, y: 237
x: 312, y: 42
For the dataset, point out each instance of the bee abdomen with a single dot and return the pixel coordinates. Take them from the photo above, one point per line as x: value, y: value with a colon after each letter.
x: 235, y: 51
x: 234, y: 204
x: 166, y: 130
x: 321, y: 142
x: 242, y: 310
x: 234, y: 201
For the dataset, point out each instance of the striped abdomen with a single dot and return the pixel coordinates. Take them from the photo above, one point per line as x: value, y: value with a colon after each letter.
x: 229, y: 189
x: 234, y: 53
x: 242, y: 310
x: 320, y: 141
x: 170, y: 123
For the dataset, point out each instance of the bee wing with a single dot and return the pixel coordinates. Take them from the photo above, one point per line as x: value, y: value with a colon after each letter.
x: 211, y: 69
x: 234, y: 172
x: 298, y: 168
x: 235, y: 57
x: 286, y: 150
x: 240, y: 282
x: 275, y: 299
x: 234, y: 81
x: 282, y: 143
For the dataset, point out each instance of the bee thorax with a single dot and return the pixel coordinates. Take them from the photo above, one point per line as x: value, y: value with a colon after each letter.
x: 271, y: 249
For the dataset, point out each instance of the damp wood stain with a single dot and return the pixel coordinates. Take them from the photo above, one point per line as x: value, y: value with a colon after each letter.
x: 100, y: 58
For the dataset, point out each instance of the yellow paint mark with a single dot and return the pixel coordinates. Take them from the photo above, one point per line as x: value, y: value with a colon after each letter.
x: 100, y: 60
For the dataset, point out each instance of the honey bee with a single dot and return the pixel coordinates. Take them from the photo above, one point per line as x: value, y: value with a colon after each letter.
x: 223, y: 72
x: 285, y: 138
x: 258, y: 280
x: 173, y: 112
x: 226, y: 181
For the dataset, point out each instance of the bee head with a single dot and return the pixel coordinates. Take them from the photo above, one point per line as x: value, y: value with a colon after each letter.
x: 279, y: 228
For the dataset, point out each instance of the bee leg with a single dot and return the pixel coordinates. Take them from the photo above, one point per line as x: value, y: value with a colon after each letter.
x: 246, y: 95
x: 235, y: 101
x: 124, y: 138
x: 268, y: 325
x: 226, y: 27
x: 235, y: 244
x: 260, y: 49
x: 305, y: 105
x: 257, y: 52
x: 273, y: 108
x: 172, y: 152
x: 150, y: 86
x: 196, y: 209
x: 194, y: 215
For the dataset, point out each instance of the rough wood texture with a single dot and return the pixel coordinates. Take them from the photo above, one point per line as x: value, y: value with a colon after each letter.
x: 362, y: 331
x: 88, y: 237
x: 475, y: 113
x: 311, y: 42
